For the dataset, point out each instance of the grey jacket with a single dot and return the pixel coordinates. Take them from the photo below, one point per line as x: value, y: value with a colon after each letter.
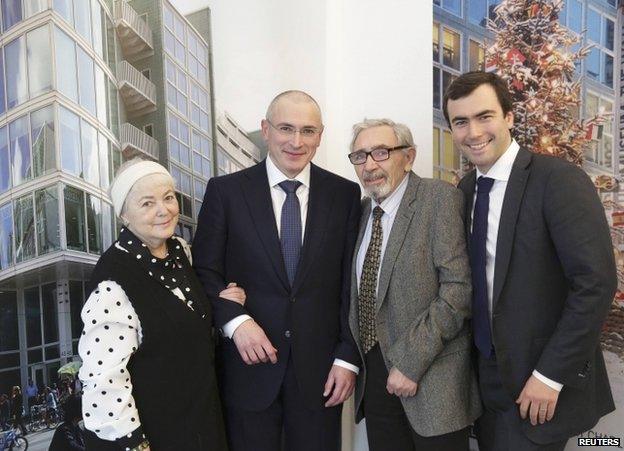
x: 423, y: 308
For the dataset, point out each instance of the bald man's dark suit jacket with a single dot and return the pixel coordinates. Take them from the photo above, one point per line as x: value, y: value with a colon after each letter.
x: 237, y: 241
x: 554, y: 282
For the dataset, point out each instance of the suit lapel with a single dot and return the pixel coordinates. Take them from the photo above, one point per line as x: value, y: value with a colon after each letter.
x: 320, y: 204
x: 509, y: 216
x: 258, y: 197
x: 398, y: 232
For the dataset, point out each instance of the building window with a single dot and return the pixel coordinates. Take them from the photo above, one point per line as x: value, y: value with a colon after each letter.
x: 183, y: 190
x: 32, y: 307
x: 446, y: 159
x: 86, y: 80
x: 148, y: 129
x: 600, y: 149
x: 48, y: 223
x: 2, y: 92
x: 66, y: 71
x: 39, y: 61
x: 185, y: 231
x: 20, y: 150
x: 600, y: 34
x: 174, y: 35
x: 83, y: 19
x: 197, y: 58
x: 70, y: 142
x: 453, y: 6
x: 50, y: 317
x: 94, y: 224
x: 447, y: 60
x: 480, y: 10
x: 6, y: 237
x: 5, y: 161
x: 476, y: 56
x: 74, y: 218
x: 177, y: 87
x: 179, y: 149
x: 76, y: 301
x: 200, y: 115
x: 24, y: 228
x: 65, y: 8
x: 199, y: 188
x: 42, y: 138
x: 11, y: 13
x: 16, y: 79
x: 90, y: 164
x: 9, y: 336
x: 202, y: 164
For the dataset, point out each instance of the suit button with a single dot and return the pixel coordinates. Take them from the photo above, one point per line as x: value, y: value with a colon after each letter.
x: 293, y: 300
x: 287, y: 334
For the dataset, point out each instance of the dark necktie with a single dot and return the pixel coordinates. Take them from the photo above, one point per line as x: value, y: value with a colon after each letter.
x: 290, y: 228
x: 368, y: 284
x: 478, y: 257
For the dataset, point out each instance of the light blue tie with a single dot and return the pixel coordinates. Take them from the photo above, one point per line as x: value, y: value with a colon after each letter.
x: 290, y: 228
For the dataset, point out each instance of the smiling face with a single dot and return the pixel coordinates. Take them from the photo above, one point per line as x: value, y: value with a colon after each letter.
x: 381, y: 178
x: 151, y: 211
x: 479, y: 127
x: 291, y: 153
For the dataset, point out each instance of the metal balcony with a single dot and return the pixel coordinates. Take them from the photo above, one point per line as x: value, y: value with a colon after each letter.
x: 137, y: 92
x: 135, y: 35
x: 136, y: 142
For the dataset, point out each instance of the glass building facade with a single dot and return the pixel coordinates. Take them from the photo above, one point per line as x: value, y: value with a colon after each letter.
x: 84, y: 85
x: 460, y: 36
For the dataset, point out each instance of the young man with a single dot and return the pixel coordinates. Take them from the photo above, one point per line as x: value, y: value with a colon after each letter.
x: 283, y: 230
x: 543, y: 277
x: 410, y: 300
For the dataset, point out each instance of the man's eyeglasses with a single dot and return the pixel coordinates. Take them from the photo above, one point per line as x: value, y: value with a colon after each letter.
x: 377, y: 154
x: 289, y: 130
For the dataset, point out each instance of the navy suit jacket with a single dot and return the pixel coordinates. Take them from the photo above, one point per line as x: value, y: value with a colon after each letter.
x: 237, y: 241
x: 554, y: 282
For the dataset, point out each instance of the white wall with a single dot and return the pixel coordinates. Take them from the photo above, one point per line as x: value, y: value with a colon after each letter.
x: 359, y: 59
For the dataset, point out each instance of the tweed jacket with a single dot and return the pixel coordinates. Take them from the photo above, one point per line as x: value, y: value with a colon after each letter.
x: 423, y: 307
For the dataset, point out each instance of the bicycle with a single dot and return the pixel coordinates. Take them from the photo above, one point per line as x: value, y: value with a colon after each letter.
x: 13, y: 441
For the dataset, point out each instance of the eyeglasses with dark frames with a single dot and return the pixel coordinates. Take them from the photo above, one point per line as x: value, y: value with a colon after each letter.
x: 377, y: 154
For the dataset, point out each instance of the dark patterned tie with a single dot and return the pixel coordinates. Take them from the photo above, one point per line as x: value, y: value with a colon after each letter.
x: 290, y: 228
x: 478, y: 257
x: 368, y: 284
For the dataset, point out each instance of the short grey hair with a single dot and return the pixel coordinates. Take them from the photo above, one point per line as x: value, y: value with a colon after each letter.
x: 401, y: 131
x: 295, y: 96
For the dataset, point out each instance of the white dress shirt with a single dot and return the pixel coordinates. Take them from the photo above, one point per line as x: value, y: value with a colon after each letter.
x: 500, y: 172
x: 390, y: 206
x: 278, y: 197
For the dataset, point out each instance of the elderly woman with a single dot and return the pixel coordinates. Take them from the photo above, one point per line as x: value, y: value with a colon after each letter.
x: 147, y: 326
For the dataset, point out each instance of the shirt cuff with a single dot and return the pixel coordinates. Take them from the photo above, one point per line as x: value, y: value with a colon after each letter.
x: 552, y: 384
x: 347, y: 365
x: 230, y: 327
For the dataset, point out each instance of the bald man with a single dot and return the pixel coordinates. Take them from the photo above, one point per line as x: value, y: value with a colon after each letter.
x: 284, y: 230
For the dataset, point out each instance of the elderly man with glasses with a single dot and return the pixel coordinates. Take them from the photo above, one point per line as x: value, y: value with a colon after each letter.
x: 284, y: 231
x: 410, y: 300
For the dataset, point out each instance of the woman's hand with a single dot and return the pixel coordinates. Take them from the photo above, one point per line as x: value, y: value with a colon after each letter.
x: 234, y: 293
